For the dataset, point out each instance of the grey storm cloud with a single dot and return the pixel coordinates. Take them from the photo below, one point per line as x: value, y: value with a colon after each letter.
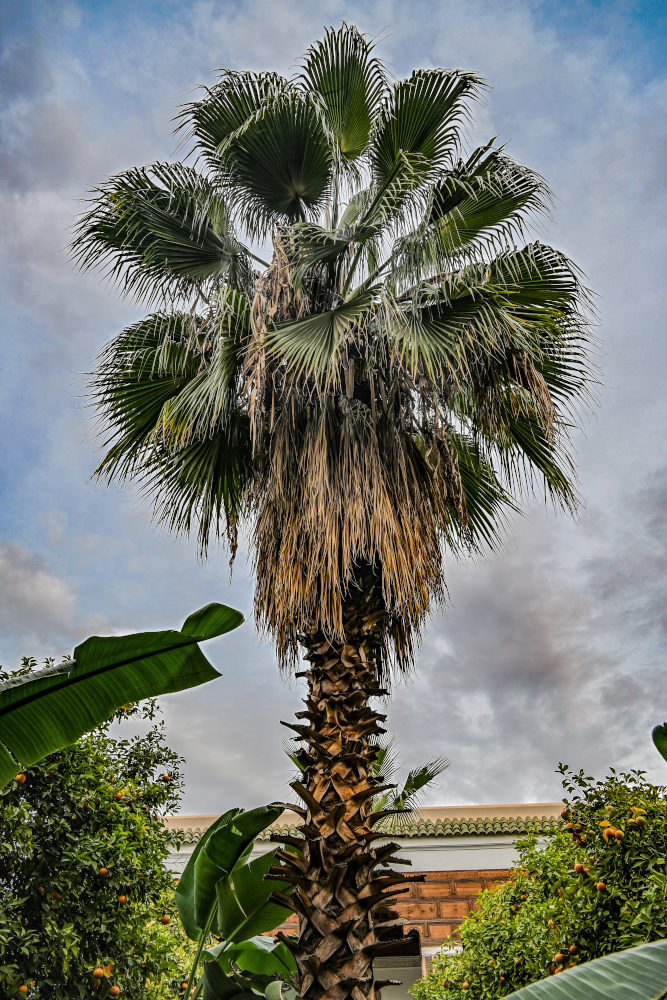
x: 551, y: 649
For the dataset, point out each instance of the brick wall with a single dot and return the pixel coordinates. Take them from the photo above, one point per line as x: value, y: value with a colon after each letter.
x: 436, y: 906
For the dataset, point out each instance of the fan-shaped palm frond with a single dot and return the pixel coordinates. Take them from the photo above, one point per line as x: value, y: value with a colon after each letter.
x: 163, y: 233
x: 350, y: 82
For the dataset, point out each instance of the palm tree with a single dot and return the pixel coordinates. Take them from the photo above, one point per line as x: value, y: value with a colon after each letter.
x: 387, y: 387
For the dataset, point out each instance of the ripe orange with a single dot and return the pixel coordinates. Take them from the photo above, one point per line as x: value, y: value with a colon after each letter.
x: 55, y: 894
x: 98, y: 972
x: 600, y: 886
x: 121, y: 900
x: 578, y: 868
x: 20, y: 780
x: 502, y: 979
x: 103, y: 872
x: 165, y: 918
x: 559, y: 958
x: 114, y: 991
x: 23, y: 990
x: 573, y: 949
x: 619, y: 835
x: 184, y: 986
x: 118, y: 796
x: 464, y: 986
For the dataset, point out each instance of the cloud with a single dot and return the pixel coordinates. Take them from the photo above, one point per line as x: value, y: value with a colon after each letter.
x: 538, y: 661
x: 35, y: 604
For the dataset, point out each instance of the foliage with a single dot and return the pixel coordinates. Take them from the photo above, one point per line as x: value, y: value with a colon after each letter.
x: 46, y: 710
x: 596, y: 886
x: 394, y: 382
x: 83, y: 883
x: 223, y: 894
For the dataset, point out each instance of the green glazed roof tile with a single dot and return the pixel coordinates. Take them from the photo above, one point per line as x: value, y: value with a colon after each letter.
x: 447, y: 827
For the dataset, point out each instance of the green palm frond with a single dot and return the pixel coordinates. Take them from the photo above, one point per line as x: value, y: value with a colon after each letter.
x: 278, y: 164
x: 350, y: 82
x: 225, y: 108
x: 138, y: 372
x: 312, y: 347
x: 202, y: 488
x: 162, y: 232
x: 420, y: 120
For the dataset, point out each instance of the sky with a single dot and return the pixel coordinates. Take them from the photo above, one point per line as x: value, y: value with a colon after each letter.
x: 551, y: 650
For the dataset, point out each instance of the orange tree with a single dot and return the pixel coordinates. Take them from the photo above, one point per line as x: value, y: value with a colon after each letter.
x: 597, y: 886
x: 85, y: 900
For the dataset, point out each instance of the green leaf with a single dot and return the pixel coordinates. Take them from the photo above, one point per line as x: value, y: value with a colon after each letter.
x: 636, y: 974
x: 161, y: 231
x: 350, y: 83
x: 312, y: 346
x: 421, y: 121
x: 279, y: 163
x: 225, y: 842
x: 258, y: 955
x: 660, y: 739
x: 244, y: 905
x: 46, y: 711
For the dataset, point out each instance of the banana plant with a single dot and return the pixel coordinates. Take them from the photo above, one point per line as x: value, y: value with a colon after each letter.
x: 224, y: 894
x: 44, y: 712
x: 634, y: 974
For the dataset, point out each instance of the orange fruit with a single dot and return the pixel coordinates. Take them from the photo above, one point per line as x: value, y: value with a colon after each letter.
x: 559, y: 958
x: 165, y: 918
x: 573, y: 950
x: 20, y: 780
x: 114, y: 991
x: 619, y: 835
x: 121, y: 900
x: 600, y: 886
x: 103, y: 872
x: 578, y: 868
x: 23, y: 990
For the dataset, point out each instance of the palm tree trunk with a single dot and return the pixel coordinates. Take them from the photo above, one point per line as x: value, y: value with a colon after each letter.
x: 342, y: 881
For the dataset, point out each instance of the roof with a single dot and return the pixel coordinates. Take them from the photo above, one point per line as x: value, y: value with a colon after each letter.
x: 433, y: 821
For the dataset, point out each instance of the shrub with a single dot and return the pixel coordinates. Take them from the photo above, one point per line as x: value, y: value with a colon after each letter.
x: 83, y: 885
x: 599, y: 884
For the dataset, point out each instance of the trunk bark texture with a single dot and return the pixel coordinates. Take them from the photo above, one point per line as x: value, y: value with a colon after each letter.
x: 343, y: 885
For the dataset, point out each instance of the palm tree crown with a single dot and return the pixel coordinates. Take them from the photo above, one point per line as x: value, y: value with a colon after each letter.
x: 399, y: 375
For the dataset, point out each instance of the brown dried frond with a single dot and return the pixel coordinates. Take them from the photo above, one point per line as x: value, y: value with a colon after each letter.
x: 339, y: 492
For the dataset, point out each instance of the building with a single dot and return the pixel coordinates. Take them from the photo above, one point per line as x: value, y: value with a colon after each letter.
x: 459, y: 850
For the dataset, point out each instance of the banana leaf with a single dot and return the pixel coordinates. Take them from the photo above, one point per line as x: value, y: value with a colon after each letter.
x: 245, y: 908
x: 44, y: 712
x: 635, y: 974
x: 256, y: 956
x: 225, y: 843
x: 660, y: 739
